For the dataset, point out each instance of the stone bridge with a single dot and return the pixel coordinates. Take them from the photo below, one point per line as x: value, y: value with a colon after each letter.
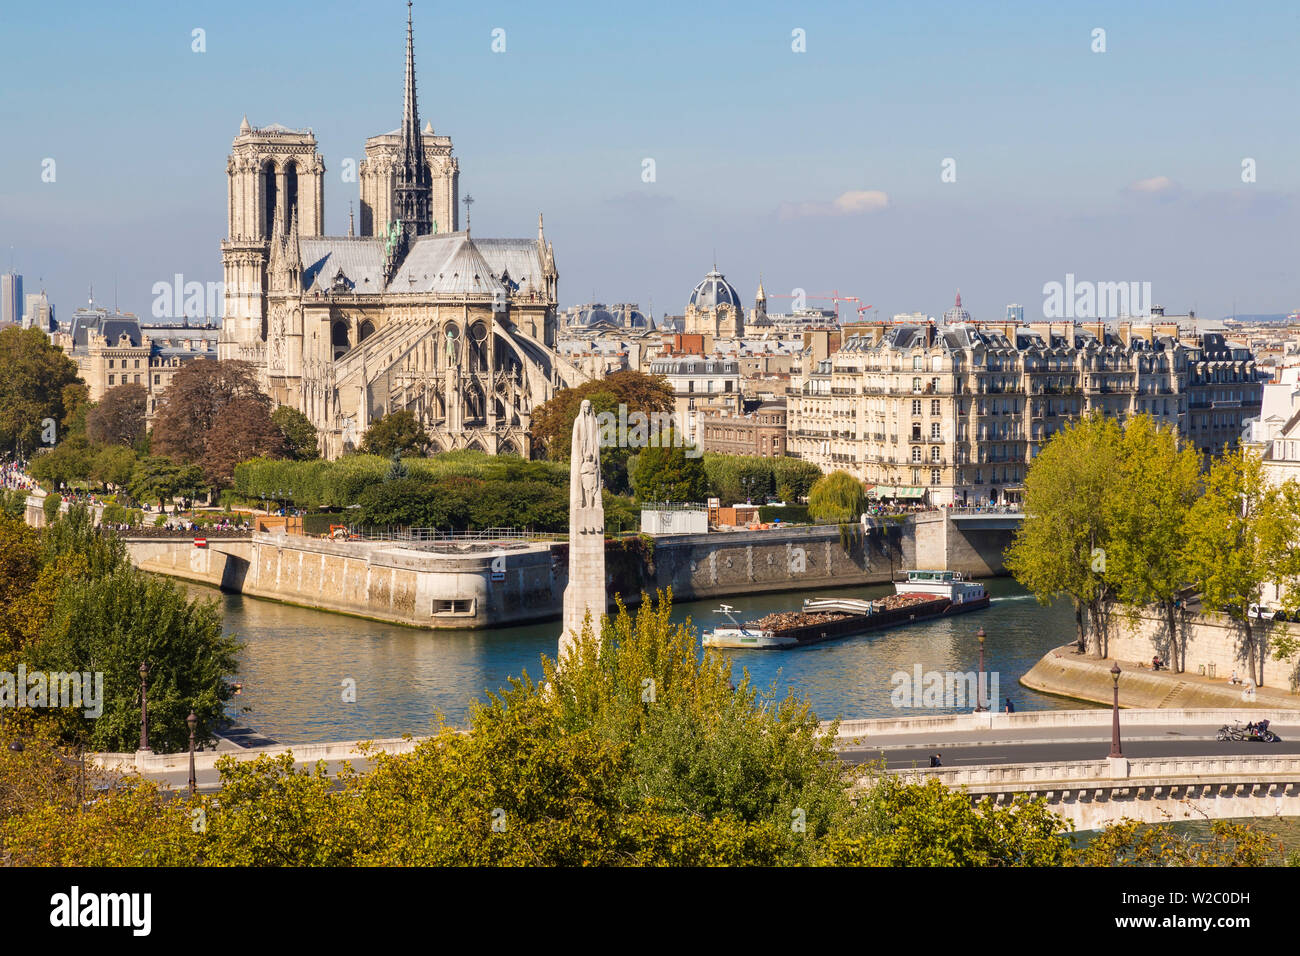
x: 1094, y: 793
x: 223, y: 562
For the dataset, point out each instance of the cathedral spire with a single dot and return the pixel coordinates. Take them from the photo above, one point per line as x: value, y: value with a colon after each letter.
x: 292, y: 254
x: 413, y: 193
x: 351, y: 223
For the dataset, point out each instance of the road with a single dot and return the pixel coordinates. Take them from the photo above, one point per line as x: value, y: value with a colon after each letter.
x: 1040, y: 745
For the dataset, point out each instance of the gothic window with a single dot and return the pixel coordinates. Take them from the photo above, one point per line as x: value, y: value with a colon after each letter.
x: 269, y: 199
x: 365, y: 330
x: 290, y: 193
x: 478, y: 347
x: 339, y: 338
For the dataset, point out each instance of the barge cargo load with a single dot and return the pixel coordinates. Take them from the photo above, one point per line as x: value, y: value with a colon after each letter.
x: 921, y: 596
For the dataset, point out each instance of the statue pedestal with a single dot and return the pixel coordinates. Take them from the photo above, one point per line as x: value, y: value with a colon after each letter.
x: 586, y: 588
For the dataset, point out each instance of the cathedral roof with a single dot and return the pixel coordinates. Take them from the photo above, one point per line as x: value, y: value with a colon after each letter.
x: 360, y: 259
x: 447, y: 263
x: 520, y: 259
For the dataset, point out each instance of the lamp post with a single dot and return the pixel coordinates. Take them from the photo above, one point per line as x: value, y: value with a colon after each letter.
x: 193, y: 721
x: 144, y: 707
x: 979, y: 684
x: 1115, y: 749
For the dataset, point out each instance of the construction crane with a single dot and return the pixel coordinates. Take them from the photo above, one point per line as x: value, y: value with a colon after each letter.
x: 832, y: 296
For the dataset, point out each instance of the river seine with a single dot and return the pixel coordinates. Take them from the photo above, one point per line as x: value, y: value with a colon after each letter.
x: 296, y: 662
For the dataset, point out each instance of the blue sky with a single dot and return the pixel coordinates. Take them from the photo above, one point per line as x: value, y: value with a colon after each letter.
x: 1115, y: 166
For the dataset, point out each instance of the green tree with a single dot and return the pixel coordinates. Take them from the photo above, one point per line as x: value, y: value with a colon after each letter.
x: 113, y: 465
x: 837, y: 497
x: 667, y: 473
x: 13, y: 502
x: 299, y: 433
x: 395, y: 433
x: 1241, y: 536
x: 1062, y: 545
x: 112, y: 623
x: 1155, y: 487
x: 928, y: 824
x: 69, y: 461
x: 160, y: 479
x: 36, y: 385
x: 75, y: 534
x: 397, y: 470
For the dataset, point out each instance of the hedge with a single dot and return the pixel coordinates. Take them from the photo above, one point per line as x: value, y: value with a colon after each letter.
x: 794, y: 514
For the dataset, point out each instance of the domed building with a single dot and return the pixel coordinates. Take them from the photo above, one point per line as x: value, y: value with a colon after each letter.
x: 956, y: 315
x: 715, y: 308
x: 596, y: 316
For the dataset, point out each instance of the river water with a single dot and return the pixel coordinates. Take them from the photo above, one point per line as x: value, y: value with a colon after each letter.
x: 296, y: 662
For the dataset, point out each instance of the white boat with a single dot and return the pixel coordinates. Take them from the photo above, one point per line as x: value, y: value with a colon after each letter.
x: 735, y: 634
x: 950, y: 584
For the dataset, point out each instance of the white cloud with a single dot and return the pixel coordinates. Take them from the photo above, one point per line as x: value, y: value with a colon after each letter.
x: 1155, y: 184
x: 852, y: 203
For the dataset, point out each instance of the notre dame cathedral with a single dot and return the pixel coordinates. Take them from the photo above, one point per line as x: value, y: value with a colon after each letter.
x: 410, y: 314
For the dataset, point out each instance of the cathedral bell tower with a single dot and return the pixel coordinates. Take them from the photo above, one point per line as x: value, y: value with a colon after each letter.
x: 273, y: 173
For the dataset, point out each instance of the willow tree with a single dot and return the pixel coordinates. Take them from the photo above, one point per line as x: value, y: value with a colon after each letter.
x: 1241, y: 538
x: 1157, y: 482
x: 1061, y: 547
x: 837, y: 497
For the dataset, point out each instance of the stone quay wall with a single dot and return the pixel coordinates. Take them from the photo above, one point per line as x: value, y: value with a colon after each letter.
x: 487, y: 585
x: 1214, y: 642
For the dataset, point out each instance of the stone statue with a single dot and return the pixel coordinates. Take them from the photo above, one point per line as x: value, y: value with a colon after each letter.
x: 584, y: 474
x: 585, y: 592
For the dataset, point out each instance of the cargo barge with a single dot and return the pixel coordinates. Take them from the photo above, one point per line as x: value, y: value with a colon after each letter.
x: 921, y: 596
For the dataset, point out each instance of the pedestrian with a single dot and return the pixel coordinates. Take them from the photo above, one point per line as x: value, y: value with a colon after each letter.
x: 935, y: 761
x: 1010, y: 708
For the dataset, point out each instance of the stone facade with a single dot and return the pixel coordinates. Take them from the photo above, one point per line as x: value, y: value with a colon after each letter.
x: 956, y: 414
x: 760, y: 433
x: 113, y: 349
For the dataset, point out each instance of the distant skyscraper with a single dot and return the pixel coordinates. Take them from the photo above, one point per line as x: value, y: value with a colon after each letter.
x: 1015, y: 313
x: 11, y: 297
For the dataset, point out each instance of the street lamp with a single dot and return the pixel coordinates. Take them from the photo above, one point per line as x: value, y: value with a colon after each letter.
x: 144, y: 707
x: 979, y: 684
x: 1115, y: 749
x: 193, y: 721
